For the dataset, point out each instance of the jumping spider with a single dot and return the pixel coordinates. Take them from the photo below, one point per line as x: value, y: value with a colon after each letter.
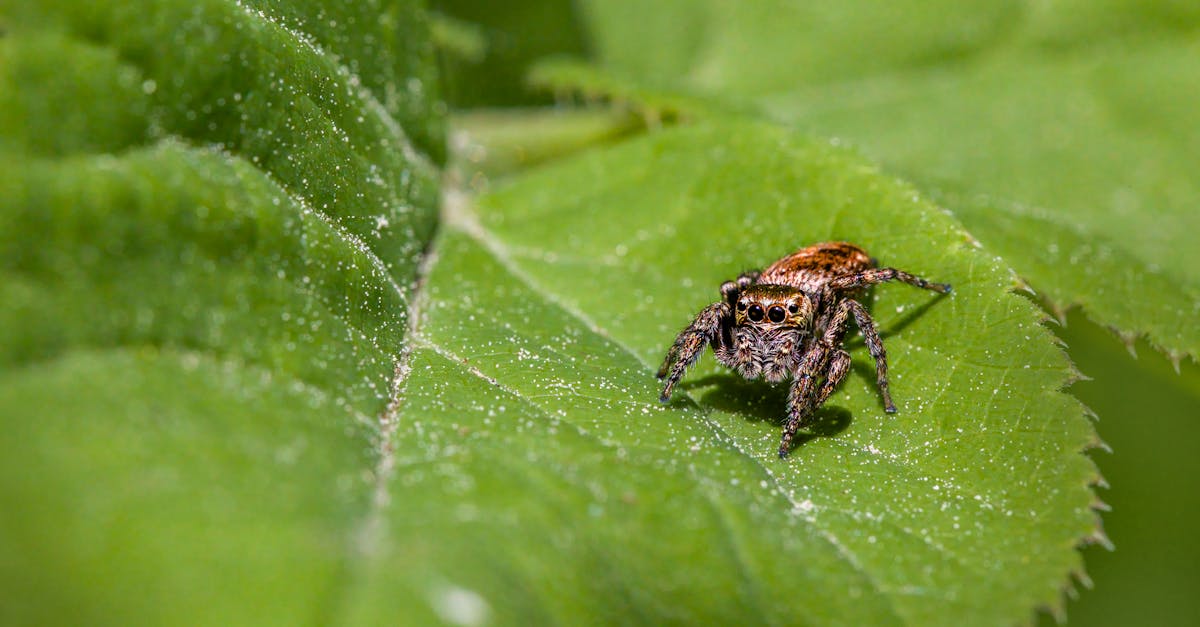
x: 789, y: 321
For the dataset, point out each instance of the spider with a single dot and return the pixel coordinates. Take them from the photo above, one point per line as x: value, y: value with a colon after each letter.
x: 789, y: 320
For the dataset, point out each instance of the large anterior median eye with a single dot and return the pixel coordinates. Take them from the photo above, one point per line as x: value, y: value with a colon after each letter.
x: 775, y: 313
x: 756, y: 313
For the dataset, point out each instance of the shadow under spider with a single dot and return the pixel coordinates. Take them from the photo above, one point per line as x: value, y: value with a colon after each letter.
x: 854, y: 338
x: 759, y: 401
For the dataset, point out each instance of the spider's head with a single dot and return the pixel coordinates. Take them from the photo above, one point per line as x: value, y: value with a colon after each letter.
x: 773, y: 306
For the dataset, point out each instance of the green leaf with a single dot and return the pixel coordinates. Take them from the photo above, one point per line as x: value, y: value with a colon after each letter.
x: 224, y: 404
x: 211, y: 214
x: 536, y: 474
x: 1039, y: 129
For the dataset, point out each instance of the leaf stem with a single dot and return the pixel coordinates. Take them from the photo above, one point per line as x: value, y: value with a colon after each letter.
x: 494, y: 142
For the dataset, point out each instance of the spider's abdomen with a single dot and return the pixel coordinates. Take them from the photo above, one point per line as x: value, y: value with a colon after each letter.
x: 811, y: 267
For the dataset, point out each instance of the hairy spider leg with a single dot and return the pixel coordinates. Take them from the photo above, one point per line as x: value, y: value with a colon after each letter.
x: 839, y: 367
x: 835, y: 373
x: 732, y: 289
x: 821, y: 360
x: 875, y: 346
x: 680, y: 343
x: 801, y: 389
x: 706, y: 329
x: 882, y: 275
x: 746, y: 279
x: 867, y: 326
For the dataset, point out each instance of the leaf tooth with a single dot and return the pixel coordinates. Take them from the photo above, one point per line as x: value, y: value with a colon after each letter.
x: 1098, y: 444
x: 1059, y: 311
x: 1175, y: 357
x: 1058, y: 611
x: 1099, y: 537
x: 1019, y: 283
x: 1076, y: 376
x: 1129, y: 339
x: 1082, y: 577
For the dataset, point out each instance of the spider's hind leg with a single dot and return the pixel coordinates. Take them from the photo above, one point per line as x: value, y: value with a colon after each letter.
x: 882, y: 275
x: 707, y: 328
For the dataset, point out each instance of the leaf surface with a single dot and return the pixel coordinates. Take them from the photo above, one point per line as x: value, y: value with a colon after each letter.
x: 531, y: 400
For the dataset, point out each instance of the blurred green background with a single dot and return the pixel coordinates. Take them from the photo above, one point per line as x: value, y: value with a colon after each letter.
x: 1148, y: 416
x: 1147, y: 412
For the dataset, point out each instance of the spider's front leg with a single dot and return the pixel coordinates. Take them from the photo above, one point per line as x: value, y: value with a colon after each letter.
x: 800, y: 396
x: 708, y: 328
x: 805, y: 397
x: 839, y: 367
x: 824, y: 359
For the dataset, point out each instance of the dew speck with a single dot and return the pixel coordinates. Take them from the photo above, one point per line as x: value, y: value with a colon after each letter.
x: 460, y: 606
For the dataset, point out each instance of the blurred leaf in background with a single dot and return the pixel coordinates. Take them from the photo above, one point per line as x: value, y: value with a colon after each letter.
x: 502, y: 40
x: 1148, y: 416
x: 207, y: 232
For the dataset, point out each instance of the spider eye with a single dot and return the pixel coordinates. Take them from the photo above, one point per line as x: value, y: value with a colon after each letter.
x: 793, y: 308
x: 741, y: 306
x: 755, y: 314
x: 775, y: 314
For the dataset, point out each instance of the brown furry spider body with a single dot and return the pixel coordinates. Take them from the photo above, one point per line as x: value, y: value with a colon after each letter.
x: 790, y: 321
